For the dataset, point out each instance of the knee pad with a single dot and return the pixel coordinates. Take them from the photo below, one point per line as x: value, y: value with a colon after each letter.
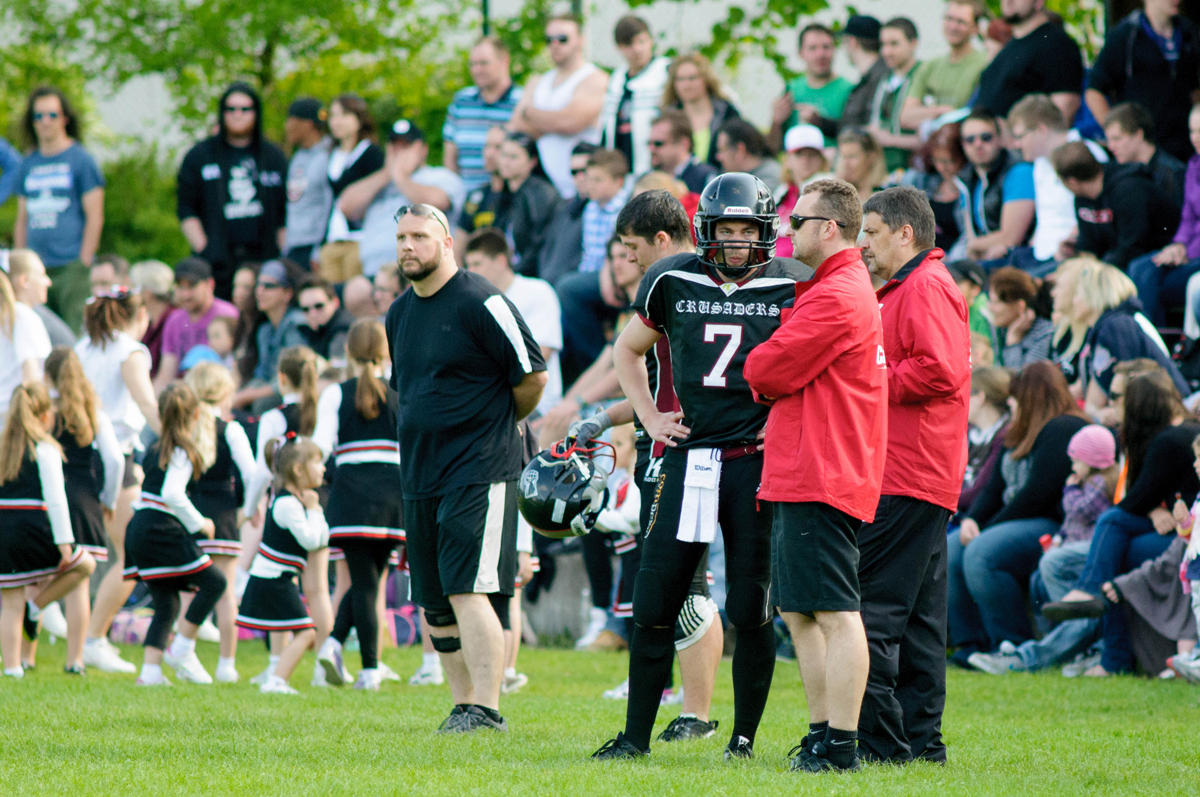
x: 653, y: 643
x: 648, y: 604
x: 746, y: 604
x: 695, y: 619
x: 440, y: 618
x: 446, y: 644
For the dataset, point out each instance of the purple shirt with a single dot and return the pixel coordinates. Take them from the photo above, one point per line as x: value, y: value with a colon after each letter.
x: 180, y: 333
x: 1189, y: 223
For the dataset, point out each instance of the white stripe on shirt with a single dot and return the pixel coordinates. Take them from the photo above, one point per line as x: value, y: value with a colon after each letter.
x: 500, y: 310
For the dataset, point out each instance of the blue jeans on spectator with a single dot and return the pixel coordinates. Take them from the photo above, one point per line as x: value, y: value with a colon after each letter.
x: 985, y: 582
x: 1160, y: 288
x: 1022, y: 257
x: 1057, y: 572
x: 583, y: 315
x: 1122, y: 541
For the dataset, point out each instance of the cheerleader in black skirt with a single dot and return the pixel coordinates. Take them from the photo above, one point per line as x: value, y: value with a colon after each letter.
x: 218, y: 494
x: 161, y: 543
x: 36, y: 540
x: 294, y: 527
x: 356, y: 423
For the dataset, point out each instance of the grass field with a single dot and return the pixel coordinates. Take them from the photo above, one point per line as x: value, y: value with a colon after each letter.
x: 1012, y: 735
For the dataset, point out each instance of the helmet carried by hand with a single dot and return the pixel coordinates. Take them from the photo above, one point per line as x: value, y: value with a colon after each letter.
x: 562, y: 491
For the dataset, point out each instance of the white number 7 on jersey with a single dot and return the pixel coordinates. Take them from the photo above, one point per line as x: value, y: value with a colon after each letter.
x: 716, y: 377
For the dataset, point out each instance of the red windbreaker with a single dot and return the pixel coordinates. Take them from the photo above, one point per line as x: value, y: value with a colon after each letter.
x: 928, y: 345
x: 825, y: 369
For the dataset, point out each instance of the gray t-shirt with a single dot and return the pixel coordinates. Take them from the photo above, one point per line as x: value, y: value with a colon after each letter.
x: 53, y: 188
x: 309, y: 195
x: 378, y: 244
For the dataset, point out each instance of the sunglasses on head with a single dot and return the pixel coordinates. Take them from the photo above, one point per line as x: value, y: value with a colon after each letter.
x: 37, y: 117
x: 561, y: 38
x: 423, y: 211
x: 316, y: 306
x: 982, y: 137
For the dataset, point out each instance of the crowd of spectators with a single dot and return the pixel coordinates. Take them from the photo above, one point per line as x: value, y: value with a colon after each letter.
x: 1067, y: 200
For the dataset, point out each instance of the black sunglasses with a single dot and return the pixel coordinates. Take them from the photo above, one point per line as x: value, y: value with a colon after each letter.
x: 658, y: 143
x: 577, y: 172
x: 798, y: 221
x: 562, y: 38
x: 239, y: 108
x: 984, y: 137
x: 423, y: 211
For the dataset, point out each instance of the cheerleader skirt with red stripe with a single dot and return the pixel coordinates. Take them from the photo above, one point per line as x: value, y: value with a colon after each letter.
x: 273, y: 604
x: 27, y: 550
x: 158, y: 546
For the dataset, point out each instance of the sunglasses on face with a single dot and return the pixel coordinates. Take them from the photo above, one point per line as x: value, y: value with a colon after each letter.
x: 318, y: 306
x: 659, y: 143
x: 798, y: 221
x: 239, y: 109
x: 267, y: 286
x: 37, y: 117
x: 562, y: 38
x: 983, y: 138
x: 577, y: 172
x: 423, y: 211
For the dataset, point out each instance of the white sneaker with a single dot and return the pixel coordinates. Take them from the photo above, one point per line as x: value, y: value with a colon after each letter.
x: 318, y: 678
x: 618, y: 692
x: 227, y: 675
x: 188, y: 668
x: 427, y: 676
x: 514, y: 684
x: 670, y: 698
x: 53, y: 621
x: 386, y: 673
x: 103, y: 655
x: 208, y: 632
x: 367, y: 682
x: 599, y: 619
x: 160, y: 681
x: 263, y: 676
x: 277, y: 686
x: 330, y: 658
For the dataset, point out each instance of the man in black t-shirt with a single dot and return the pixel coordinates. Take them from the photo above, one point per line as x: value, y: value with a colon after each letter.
x: 713, y: 308
x: 1040, y: 59
x: 466, y: 369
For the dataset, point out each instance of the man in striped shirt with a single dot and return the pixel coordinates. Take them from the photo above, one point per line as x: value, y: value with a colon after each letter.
x: 477, y: 108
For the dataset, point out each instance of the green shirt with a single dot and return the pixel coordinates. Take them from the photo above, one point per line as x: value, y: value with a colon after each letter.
x: 889, y: 99
x: 978, y: 316
x: 940, y: 82
x: 828, y: 100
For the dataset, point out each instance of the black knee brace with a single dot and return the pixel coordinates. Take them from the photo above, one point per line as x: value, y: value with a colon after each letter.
x: 446, y: 644
x: 440, y: 618
x: 500, y: 605
x: 649, y: 607
x: 746, y: 604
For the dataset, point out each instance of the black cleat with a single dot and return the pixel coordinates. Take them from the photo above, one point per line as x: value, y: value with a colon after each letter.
x: 800, y: 754
x: 739, y: 747
x: 684, y: 728
x: 476, y: 718
x: 456, y: 722
x: 817, y: 761
x: 31, y: 625
x: 618, y: 749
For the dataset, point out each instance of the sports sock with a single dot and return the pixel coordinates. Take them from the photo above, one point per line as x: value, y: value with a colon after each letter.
x: 35, y: 613
x: 430, y: 661
x: 753, y: 666
x: 816, y: 732
x: 223, y: 662
x: 181, y: 646
x: 841, y: 746
x: 151, y: 672
x: 650, y: 653
x: 510, y: 672
x: 492, y: 713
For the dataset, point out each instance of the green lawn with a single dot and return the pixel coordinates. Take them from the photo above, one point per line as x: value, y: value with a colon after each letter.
x: 1017, y: 735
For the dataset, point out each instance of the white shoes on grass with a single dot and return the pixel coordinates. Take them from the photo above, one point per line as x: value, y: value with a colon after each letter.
x: 104, y: 656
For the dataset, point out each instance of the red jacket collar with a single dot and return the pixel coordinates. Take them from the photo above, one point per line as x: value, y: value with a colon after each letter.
x: 934, y: 255
x: 847, y: 258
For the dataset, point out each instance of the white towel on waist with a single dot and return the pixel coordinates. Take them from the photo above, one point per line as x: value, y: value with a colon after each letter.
x: 701, y: 486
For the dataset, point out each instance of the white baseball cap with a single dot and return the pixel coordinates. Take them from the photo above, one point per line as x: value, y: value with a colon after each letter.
x: 803, y: 137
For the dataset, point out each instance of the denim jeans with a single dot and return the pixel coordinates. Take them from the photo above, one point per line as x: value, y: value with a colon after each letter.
x: 1057, y: 572
x: 986, y: 580
x: 1160, y: 287
x: 1122, y: 542
x: 1060, y: 567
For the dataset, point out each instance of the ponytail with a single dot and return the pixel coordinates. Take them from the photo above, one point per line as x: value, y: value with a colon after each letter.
x: 212, y: 384
x: 8, y: 306
x: 367, y: 349
x: 77, y: 399
x: 109, y: 313
x: 177, y: 408
x: 23, y: 429
x: 299, y: 365
x: 285, y: 454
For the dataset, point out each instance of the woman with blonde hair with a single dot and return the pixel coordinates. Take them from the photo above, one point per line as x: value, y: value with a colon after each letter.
x: 694, y: 88
x: 24, y: 343
x: 1069, y: 331
x: 228, y: 464
x: 860, y: 161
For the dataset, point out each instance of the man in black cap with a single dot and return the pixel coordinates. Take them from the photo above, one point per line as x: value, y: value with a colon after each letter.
x: 187, y: 326
x: 309, y: 195
x: 860, y: 38
x: 405, y: 179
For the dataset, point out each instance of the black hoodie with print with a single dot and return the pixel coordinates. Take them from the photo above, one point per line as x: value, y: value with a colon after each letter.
x: 1129, y: 219
x: 238, y: 193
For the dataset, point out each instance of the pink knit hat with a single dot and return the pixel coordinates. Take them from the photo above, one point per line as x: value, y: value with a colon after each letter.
x: 1094, y: 446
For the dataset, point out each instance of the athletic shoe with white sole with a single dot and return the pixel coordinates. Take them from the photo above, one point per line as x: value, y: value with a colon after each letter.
x: 226, y: 675
x: 427, y: 676
x: 160, y: 681
x: 188, y: 668
x: 318, y: 677
x: 618, y: 692
x: 598, y: 619
x: 105, y: 657
x: 277, y: 686
x: 996, y: 663
x: 513, y: 684
x: 263, y: 676
x: 386, y: 673
x: 53, y: 621
x: 208, y: 632
x: 1186, y: 667
x: 367, y: 682
x: 330, y: 658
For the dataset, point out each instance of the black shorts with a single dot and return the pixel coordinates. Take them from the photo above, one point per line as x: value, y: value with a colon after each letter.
x: 273, y: 604
x: 814, y: 558
x: 462, y: 542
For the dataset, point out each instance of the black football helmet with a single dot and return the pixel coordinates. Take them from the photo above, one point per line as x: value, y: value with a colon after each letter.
x: 741, y: 197
x: 562, y: 491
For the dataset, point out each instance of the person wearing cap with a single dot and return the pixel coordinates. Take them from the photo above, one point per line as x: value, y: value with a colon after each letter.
x: 902, y: 565
x: 860, y: 39
x: 188, y: 325
x: 818, y: 93
x: 231, y: 200
x: 309, y: 196
x: 804, y: 161
x: 671, y: 150
x: 405, y: 179
x: 946, y: 83
x: 280, y: 328
x: 972, y: 284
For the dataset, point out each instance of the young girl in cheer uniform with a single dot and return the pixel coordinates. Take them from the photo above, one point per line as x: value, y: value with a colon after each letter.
x: 218, y: 493
x: 356, y: 423
x: 294, y: 527
x: 36, y: 540
x: 161, y: 545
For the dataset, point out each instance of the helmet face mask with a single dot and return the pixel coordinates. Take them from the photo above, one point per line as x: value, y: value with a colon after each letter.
x: 562, y: 491
x: 743, y: 198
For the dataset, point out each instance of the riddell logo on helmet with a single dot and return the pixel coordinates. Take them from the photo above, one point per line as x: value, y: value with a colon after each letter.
x: 738, y: 210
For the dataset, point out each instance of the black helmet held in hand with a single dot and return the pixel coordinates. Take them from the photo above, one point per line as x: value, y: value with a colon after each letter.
x: 562, y: 491
x: 736, y: 196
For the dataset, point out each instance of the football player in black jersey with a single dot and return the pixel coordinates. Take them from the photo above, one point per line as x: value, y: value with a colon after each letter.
x: 713, y: 307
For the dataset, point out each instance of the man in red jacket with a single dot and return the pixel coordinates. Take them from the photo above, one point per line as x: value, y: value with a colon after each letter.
x: 902, y: 569
x: 826, y: 435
